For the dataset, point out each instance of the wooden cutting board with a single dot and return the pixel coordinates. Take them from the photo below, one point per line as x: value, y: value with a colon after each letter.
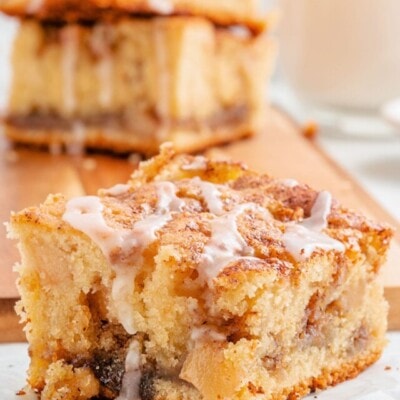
x: 27, y: 177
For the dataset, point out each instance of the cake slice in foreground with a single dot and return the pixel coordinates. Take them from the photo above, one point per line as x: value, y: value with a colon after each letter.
x: 198, y: 280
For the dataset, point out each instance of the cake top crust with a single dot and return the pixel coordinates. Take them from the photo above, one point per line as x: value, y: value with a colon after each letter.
x: 220, y: 215
x: 247, y: 13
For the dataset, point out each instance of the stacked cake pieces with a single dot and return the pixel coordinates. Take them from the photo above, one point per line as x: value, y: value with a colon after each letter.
x: 198, y: 280
x: 127, y: 75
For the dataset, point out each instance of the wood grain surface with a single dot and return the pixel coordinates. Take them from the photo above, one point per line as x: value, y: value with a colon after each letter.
x: 27, y: 176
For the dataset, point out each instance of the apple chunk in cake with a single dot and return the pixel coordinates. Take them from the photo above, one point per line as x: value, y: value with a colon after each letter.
x: 198, y: 280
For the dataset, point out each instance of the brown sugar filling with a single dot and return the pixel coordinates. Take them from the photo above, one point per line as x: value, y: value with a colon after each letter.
x: 143, y: 122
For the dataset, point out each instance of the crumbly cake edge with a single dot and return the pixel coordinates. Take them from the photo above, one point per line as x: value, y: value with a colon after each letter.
x: 328, y: 378
x: 125, y: 141
x: 331, y: 378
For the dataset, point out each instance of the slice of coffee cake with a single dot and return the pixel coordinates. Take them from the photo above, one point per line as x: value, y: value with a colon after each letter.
x: 198, y: 280
x: 132, y: 84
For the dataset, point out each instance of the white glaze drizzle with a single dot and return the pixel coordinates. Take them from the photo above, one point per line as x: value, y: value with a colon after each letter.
x: 161, y: 6
x: 198, y: 163
x: 289, y: 182
x: 117, y: 190
x: 302, y: 239
x: 34, y: 6
x: 70, y: 43
x: 104, y: 68
x: 138, y: 238
x: 130, y: 389
x: 320, y: 211
x: 86, y: 214
x: 211, y: 195
x: 226, y: 243
x: 167, y: 198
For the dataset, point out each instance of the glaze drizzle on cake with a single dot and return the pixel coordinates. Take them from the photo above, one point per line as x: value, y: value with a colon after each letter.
x: 226, y: 244
x: 123, y: 247
x: 304, y: 238
x: 131, y: 380
x: 211, y: 195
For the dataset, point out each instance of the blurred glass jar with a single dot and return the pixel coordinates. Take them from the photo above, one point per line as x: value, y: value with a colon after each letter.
x: 342, y: 53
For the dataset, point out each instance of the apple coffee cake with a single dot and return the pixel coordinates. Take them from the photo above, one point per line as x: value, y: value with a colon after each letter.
x: 198, y: 279
x: 134, y: 83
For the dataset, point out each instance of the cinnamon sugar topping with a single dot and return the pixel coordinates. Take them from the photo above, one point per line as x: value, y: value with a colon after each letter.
x: 123, y: 247
x: 226, y: 243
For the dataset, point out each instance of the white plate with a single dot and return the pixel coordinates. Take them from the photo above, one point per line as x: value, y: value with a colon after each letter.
x: 379, y: 382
